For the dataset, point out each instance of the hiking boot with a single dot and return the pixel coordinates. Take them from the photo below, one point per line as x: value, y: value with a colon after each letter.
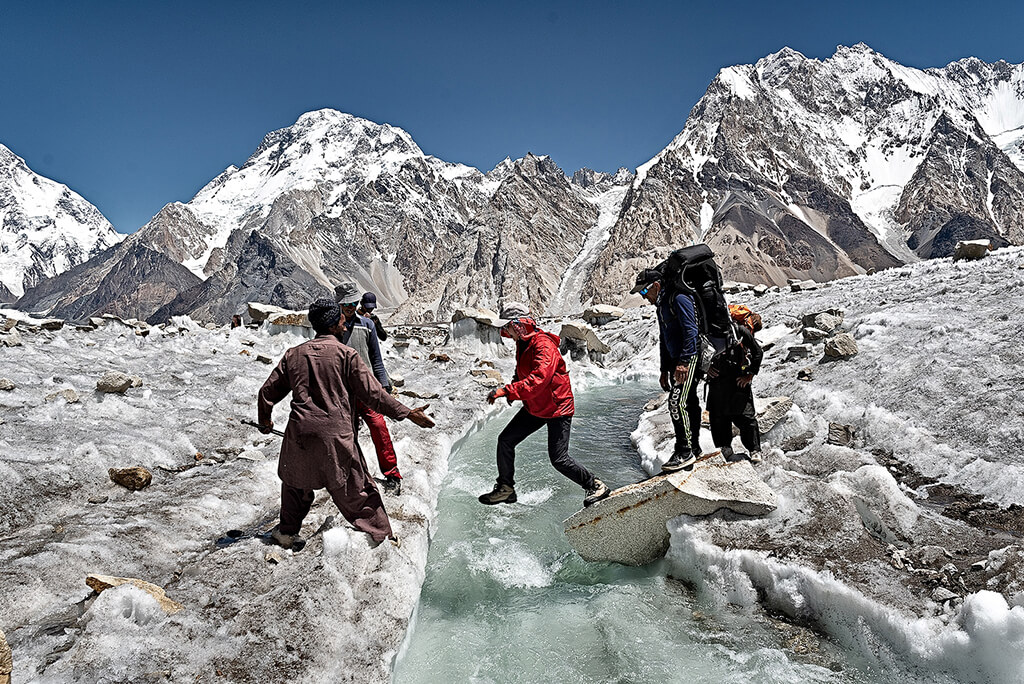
x: 731, y: 456
x: 755, y: 457
x: 596, y: 493
x: 393, y: 485
x: 285, y: 541
x: 679, y: 462
x: 502, y: 493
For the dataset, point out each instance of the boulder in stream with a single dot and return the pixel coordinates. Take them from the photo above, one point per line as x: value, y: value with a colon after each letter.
x: 629, y: 526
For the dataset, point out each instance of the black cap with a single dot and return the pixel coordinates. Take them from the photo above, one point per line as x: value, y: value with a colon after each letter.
x: 369, y: 301
x: 323, y: 313
x: 646, y: 277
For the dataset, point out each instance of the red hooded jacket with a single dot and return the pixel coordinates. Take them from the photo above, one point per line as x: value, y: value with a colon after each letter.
x: 542, y: 380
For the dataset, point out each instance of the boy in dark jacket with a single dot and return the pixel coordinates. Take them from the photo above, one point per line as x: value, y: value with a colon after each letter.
x: 730, y: 397
x: 542, y: 383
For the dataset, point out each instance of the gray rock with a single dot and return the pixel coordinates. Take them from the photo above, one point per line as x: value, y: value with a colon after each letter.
x: 828, y: 320
x: 419, y: 395
x: 488, y: 382
x: 488, y: 373
x: 805, y: 374
x: 134, y: 478
x: 580, y: 330
x: 114, y: 382
x: 396, y: 380
x: 813, y: 334
x: 771, y: 410
x: 629, y: 526
x: 840, y: 435
x: 798, y: 442
x: 842, y: 346
x: 68, y: 395
x: 7, y: 385
x: 264, y: 359
x: 797, y: 351
x: 760, y: 290
x: 11, y: 339
x: 99, y: 499
x: 971, y: 249
x: 941, y: 595
x: 930, y: 556
x: 600, y: 314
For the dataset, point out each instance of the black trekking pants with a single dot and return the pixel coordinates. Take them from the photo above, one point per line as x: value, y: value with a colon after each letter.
x: 684, y: 408
x: 728, y: 405
x: 522, y: 425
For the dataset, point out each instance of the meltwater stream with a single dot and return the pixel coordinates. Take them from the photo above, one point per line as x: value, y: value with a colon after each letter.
x: 507, y: 600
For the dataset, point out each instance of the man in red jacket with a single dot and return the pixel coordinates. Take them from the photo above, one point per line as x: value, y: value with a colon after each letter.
x: 542, y: 383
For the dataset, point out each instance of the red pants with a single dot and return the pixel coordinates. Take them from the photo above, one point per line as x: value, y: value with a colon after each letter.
x: 387, y: 459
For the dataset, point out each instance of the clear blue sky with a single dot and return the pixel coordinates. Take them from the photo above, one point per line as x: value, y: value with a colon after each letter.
x: 136, y: 104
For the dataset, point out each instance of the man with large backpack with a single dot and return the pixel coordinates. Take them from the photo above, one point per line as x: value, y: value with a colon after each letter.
x: 680, y: 363
x: 730, y: 396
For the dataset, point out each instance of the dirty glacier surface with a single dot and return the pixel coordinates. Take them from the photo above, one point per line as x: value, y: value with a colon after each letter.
x: 934, y: 383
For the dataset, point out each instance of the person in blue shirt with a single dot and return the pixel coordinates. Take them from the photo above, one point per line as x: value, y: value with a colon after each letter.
x: 680, y: 364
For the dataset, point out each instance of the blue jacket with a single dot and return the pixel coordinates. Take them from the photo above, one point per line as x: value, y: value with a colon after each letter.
x: 680, y: 337
x: 361, y: 335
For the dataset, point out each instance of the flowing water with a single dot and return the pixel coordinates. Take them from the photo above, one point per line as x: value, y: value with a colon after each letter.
x: 507, y: 600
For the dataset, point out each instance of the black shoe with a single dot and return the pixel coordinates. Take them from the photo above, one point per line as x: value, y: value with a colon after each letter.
x: 679, y: 462
x: 393, y: 485
x: 502, y: 493
x: 596, y: 493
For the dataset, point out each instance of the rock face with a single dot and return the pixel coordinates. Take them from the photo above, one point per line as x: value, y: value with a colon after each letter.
x: 6, y: 385
x: 45, y: 228
x: 629, y: 526
x: 131, y: 280
x: 134, y: 478
x: 100, y: 583
x: 114, y: 382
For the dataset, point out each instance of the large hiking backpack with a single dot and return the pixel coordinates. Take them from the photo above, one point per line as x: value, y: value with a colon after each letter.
x: 692, y: 270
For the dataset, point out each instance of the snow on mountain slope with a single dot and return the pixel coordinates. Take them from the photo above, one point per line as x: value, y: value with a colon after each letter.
x: 333, y: 154
x: 45, y: 228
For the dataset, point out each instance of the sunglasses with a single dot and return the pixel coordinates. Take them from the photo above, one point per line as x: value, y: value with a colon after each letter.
x: 643, y: 292
x: 351, y: 304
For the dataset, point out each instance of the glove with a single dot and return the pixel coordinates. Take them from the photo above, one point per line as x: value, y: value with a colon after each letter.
x: 495, y: 394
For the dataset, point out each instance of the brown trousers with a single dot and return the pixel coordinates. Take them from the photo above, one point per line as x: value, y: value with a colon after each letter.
x: 364, y: 509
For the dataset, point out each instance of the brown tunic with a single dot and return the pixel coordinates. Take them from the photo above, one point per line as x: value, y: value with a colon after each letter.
x: 319, y: 448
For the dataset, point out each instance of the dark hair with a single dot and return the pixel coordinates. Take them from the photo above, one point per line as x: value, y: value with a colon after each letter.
x: 323, y: 314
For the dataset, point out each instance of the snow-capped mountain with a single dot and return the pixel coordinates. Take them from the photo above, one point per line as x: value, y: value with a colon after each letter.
x: 45, y: 228
x: 789, y: 168
x: 334, y: 198
x: 795, y: 167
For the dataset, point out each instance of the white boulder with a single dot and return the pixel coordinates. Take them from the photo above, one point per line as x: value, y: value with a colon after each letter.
x: 629, y: 527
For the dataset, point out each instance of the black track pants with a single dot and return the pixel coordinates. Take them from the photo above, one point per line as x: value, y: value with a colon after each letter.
x: 684, y: 408
x: 522, y: 425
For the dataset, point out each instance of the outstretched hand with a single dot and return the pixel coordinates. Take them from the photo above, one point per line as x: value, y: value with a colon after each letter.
x: 497, y: 393
x: 419, y: 417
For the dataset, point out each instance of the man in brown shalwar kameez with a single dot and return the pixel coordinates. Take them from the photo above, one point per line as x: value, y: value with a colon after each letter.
x: 320, y: 450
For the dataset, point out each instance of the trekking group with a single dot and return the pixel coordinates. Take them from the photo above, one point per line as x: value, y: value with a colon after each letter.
x: 338, y: 379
